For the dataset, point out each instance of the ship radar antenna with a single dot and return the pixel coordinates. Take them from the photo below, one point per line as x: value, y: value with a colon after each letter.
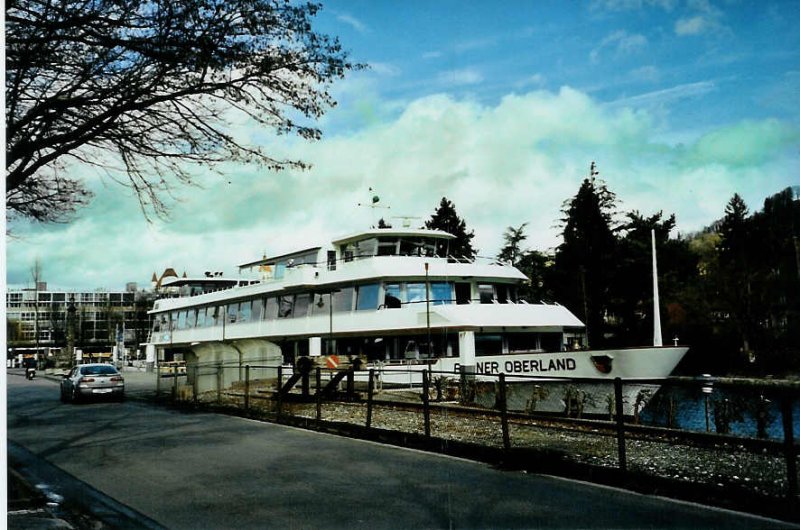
x: 372, y: 204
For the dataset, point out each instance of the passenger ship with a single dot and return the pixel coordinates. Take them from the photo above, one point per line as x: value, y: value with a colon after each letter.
x: 395, y: 299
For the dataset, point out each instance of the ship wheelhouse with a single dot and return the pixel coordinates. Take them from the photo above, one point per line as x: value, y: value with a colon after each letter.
x: 383, y: 295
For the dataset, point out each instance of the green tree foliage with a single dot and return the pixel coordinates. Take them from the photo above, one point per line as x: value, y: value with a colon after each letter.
x: 140, y: 88
x: 512, y: 250
x: 631, y: 297
x: 731, y: 292
x: 447, y: 220
x: 538, y: 267
x: 737, y: 274
x: 585, y: 258
x: 534, y: 264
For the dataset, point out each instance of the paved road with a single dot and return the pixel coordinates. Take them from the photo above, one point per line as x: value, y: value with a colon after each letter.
x: 192, y: 470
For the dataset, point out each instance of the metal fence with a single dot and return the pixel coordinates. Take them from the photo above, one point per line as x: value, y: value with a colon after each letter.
x: 727, y: 435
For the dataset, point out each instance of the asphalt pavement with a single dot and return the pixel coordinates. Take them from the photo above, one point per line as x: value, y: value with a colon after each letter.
x: 161, y: 467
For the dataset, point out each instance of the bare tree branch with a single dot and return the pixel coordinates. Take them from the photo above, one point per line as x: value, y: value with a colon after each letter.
x: 148, y: 82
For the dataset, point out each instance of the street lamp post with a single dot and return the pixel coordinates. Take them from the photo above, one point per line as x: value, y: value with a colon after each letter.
x: 428, y: 308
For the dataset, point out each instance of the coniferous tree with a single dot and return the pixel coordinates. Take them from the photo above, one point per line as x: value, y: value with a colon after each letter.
x: 736, y: 271
x: 447, y: 220
x: 585, y: 258
x: 513, y: 237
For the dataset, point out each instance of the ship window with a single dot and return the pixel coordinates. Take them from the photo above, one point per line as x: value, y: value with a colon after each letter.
x: 524, y: 342
x: 233, y: 309
x: 285, y: 306
x: 244, y: 312
x: 486, y: 344
x: 551, y: 341
x: 331, y: 260
x: 441, y: 293
x: 280, y: 269
x: 301, y: 305
x: 173, y: 320
x: 343, y: 300
x: 387, y: 247
x: 367, y: 297
x: 502, y: 293
x: 201, y: 317
x: 271, y: 309
x: 392, y: 298
x: 486, y: 292
x: 181, y: 320
x: 320, y: 304
x: 191, y: 318
x: 258, y: 304
x: 410, y: 248
x: 463, y: 293
x: 415, y: 292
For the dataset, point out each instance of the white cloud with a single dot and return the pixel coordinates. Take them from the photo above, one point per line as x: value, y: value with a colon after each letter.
x: 353, y: 22
x: 628, y: 5
x: 621, y: 42
x: 705, y: 19
x: 503, y: 164
x: 666, y: 95
x: 464, y: 76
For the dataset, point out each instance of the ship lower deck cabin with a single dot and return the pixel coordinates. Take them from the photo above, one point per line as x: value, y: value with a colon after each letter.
x: 414, y: 347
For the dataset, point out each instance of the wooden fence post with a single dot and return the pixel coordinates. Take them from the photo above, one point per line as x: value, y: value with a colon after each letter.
x: 219, y: 383
x: 247, y: 388
x: 279, y: 403
x: 504, y: 412
x: 426, y: 405
x: 788, y: 445
x: 319, y: 395
x: 370, y: 390
x: 623, y: 463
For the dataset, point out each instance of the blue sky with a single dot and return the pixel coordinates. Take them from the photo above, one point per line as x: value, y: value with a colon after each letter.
x: 499, y: 106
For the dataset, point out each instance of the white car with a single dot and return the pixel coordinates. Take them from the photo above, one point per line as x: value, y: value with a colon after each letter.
x: 93, y: 381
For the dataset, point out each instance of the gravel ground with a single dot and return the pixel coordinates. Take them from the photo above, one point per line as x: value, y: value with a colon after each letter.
x: 724, y: 465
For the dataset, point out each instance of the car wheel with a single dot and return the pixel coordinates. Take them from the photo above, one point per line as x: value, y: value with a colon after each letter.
x: 63, y: 395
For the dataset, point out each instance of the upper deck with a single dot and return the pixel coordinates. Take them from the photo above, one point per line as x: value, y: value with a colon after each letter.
x: 369, y: 256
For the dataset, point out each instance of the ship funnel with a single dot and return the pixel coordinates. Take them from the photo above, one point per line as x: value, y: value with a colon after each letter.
x: 657, y: 341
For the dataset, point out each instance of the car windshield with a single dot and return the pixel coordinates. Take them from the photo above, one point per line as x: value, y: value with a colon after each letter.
x: 98, y: 370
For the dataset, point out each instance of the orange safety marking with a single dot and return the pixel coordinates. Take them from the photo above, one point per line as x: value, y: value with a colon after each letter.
x: 332, y: 361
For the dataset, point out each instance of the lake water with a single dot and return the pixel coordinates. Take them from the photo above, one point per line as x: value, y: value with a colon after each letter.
x: 743, y: 408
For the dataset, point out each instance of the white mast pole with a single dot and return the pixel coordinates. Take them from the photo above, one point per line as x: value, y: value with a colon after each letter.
x: 657, y: 341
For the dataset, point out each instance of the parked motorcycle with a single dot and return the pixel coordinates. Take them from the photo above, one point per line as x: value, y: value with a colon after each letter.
x: 30, y: 373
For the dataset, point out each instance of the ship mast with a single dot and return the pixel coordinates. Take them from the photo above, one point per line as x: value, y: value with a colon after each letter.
x: 657, y: 341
